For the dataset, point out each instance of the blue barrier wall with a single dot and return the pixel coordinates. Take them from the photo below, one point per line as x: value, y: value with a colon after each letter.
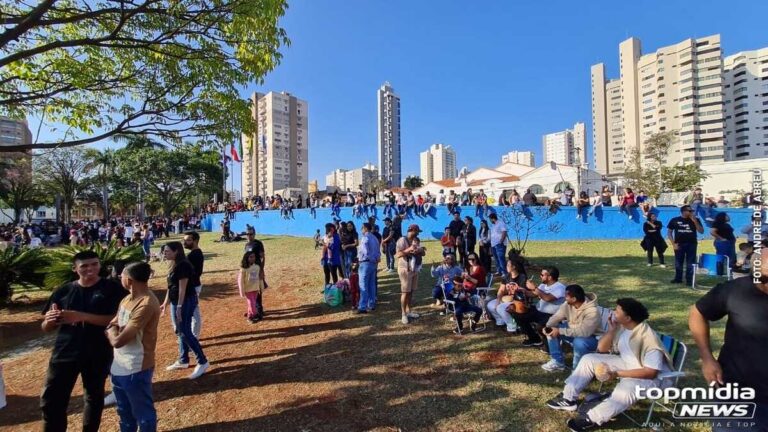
x: 606, y: 223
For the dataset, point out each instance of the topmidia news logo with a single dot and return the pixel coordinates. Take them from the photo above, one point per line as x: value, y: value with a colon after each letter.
x: 728, y: 402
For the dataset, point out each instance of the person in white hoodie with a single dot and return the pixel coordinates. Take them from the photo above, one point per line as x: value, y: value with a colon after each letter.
x: 577, y: 321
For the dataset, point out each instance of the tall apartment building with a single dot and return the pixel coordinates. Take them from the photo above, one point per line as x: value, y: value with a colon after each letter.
x: 677, y: 88
x: 13, y: 133
x: 745, y: 89
x: 438, y: 163
x: 276, y: 158
x: 389, y: 135
x: 519, y: 157
x: 568, y: 147
x: 354, y: 180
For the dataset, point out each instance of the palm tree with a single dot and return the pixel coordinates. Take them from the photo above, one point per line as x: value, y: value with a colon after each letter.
x: 20, y: 267
x: 138, y: 141
x: 103, y: 161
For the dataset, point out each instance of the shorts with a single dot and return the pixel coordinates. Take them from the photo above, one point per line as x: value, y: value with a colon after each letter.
x: 408, y: 280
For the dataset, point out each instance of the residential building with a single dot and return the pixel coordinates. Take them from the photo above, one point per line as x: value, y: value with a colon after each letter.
x: 354, y: 180
x: 276, y: 157
x: 519, y: 157
x: 566, y: 147
x: 389, y: 135
x: 438, y: 163
x: 13, y: 133
x: 745, y: 88
x: 677, y: 88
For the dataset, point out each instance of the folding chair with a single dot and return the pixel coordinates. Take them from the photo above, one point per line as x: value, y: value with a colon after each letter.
x: 677, y: 352
x: 481, y: 298
x: 711, y: 265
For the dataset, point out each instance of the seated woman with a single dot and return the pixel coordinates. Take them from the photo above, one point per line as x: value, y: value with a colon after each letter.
x: 497, y: 308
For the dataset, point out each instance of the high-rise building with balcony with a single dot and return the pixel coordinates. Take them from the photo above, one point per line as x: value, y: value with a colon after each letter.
x: 519, y: 157
x: 276, y: 158
x: 566, y: 147
x: 677, y: 88
x: 745, y: 89
x: 438, y: 163
x: 389, y: 135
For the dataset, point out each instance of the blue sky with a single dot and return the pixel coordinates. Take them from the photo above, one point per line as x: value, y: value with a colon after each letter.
x: 484, y: 77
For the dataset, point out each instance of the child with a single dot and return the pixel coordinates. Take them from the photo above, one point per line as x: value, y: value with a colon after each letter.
x: 743, y: 263
x: 414, y: 263
x: 354, y: 285
x: 449, y: 243
x: 318, y: 239
x: 462, y: 298
x: 251, y: 285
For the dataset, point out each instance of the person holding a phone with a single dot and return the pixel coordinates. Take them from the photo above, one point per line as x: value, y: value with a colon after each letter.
x: 578, y: 321
x: 498, y: 308
x: 681, y: 232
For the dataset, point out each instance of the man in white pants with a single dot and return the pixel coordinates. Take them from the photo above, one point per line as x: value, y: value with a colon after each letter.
x: 639, y: 359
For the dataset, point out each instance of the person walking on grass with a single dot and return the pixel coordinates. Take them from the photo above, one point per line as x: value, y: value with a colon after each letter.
x: 133, y: 334
x: 250, y: 286
x: 406, y: 253
x: 79, y: 312
x: 196, y: 258
x: 182, y: 298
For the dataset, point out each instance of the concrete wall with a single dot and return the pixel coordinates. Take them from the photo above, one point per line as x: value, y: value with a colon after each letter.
x: 606, y: 223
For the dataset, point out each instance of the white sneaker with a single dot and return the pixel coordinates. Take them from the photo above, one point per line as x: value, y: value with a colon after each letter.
x: 662, y: 266
x: 511, y: 329
x: 552, y: 366
x: 199, y: 370
x: 413, y: 315
x: 177, y: 365
x: 648, y: 265
x: 404, y: 320
x: 110, y: 400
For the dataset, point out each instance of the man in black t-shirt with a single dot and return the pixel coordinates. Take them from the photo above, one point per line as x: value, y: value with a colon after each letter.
x: 744, y: 352
x: 195, y: 256
x: 681, y: 232
x: 79, y: 311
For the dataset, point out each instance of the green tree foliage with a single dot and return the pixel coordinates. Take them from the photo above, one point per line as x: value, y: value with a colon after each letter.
x: 163, y: 68
x: 413, y: 182
x: 19, y: 190
x: 649, y: 171
x: 58, y: 270
x: 169, y: 178
x: 65, y: 171
x: 20, y: 267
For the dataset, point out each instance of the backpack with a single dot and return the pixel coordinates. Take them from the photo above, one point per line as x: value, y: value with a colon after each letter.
x: 333, y: 296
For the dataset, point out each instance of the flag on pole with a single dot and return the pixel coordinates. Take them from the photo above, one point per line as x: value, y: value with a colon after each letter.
x: 235, y: 154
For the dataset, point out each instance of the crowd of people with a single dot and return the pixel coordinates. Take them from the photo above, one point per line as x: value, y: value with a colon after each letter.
x: 109, y: 326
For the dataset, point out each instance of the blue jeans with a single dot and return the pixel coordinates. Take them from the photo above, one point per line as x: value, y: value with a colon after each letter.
x: 727, y: 248
x: 367, y: 273
x: 389, y: 251
x: 499, y: 253
x: 439, y: 292
x: 349, y: 255
x: 134, y: 401
x: 183, y: 329
x: 581, y: 346
x: 313, y: 212
x: 464, y: 307
x: 685, y: 255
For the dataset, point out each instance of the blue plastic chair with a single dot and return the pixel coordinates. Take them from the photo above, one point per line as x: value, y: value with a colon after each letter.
x: 711, y: 265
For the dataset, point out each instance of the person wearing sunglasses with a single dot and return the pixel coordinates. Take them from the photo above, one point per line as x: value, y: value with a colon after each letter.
x: 551, y: 294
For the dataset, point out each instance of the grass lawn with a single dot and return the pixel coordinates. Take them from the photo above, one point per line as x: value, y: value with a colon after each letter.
x: 309, y: 367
